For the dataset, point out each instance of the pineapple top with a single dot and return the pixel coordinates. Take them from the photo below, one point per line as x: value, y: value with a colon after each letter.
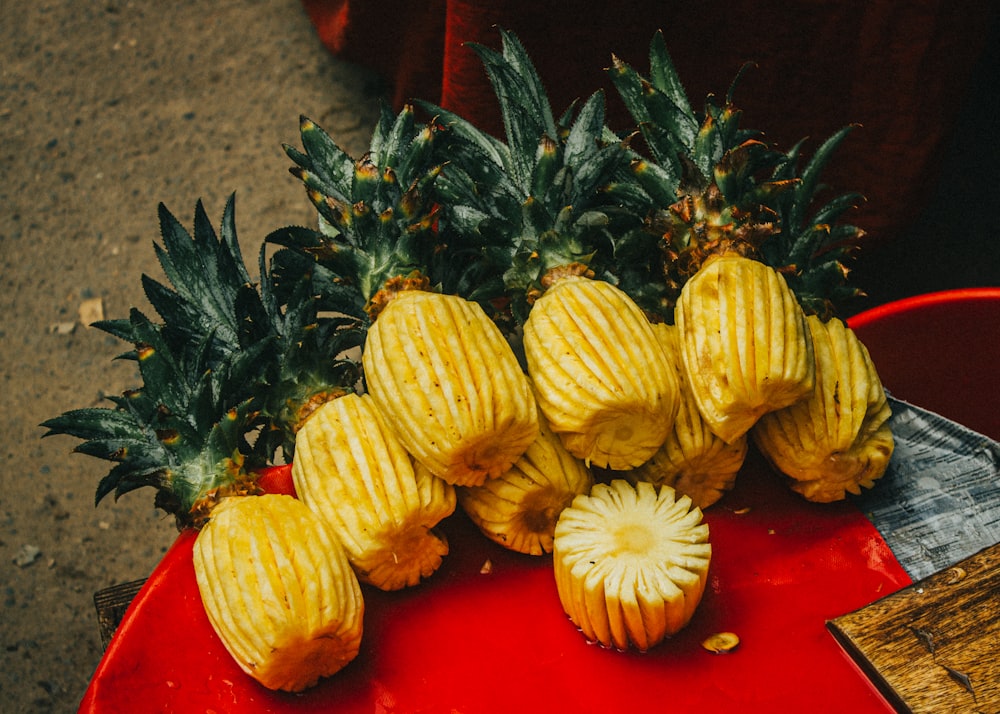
x: 378, y: 215
x: 182, y: 432
x: 544, y: 194
x: 715, y: 187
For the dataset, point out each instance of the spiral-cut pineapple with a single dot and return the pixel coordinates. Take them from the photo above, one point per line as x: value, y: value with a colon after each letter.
x: 350, y: 469
x: 693, y: 460
x: 449, y: 386
x: 519, y: 508
x: 744, y: 343
x: 631, y: 563
x: 601, y: 378
x: 838, y: 440
x: 279, y: 590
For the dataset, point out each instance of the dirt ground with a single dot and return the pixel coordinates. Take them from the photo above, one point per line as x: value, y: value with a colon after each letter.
x: 107, y: 109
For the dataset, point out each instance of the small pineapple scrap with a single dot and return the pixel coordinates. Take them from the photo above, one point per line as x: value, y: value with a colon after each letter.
x: 449, y: 385
x: 631, y: 563
x: 600, y: 376
x: 351, y: 470
x: 519, y: 509
x: 279, y: 590
x: 693, y: 460
x: 744, y: 343
x: 838, y: 440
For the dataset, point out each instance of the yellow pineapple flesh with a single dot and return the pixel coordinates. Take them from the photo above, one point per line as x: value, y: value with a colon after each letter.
x: 745, y: 345
x: 602, y: 380
x: 449, y: 386
x: 279, y: 590
x: 519, y: 508
x: 693, y: 460
x: 838, y: 440
x: 631, y: 563
x: 351, y: 470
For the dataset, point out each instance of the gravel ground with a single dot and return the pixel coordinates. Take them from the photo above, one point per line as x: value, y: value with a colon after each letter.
x: 107, y: 109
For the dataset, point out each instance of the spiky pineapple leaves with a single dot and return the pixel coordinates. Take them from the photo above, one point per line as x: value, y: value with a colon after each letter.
x: 379, y: 216
x: 712, y: 182
x: 660, y: 108
x: 313, y: 330
x: 543, y: 195
x: 206, y: 273
x: 376, y: 212
x: 183, y: 432
x: 226, y: 375
x: 814, y: 245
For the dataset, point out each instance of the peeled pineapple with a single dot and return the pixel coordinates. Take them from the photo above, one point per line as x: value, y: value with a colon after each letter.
x: 279, y: 590
x: 350, y: 469
x: 630, y: 563
x: 449, y: 386
x: 837, y: 440
x: 693, y: 460
x: 745, y: 345
x: 519, y: 509
x: 601, y: 378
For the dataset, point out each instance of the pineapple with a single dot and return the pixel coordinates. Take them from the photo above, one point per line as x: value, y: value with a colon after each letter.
x: 709, y: 186
x: 602, y: 381
x: 693, y: 460
x: 279, y: 590
x: 300, y: 358
x: 744, y: 343
x: 450, y: 386
x: 519, y: 509
x: 350, y: 468
x: 458, y: 401
x: 292, y: 612
x: 302, y: 369
x: 838, y: 440
x: 714, y: 189
x: 630, y: 563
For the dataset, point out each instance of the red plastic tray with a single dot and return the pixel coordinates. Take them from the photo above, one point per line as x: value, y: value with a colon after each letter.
x: 479, y: 643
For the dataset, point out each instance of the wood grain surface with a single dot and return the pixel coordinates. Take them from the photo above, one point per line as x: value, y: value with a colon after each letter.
x: 935, y: 645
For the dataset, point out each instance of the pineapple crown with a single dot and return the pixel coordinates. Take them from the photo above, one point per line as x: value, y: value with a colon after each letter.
x: 212, y: 306
x: 311, y: 345
x: 714, y: 187
x: 181, y: 432
x: 228, y: 361
x: 537, y: 199
x: 378, y: 215
x: 814, y: 246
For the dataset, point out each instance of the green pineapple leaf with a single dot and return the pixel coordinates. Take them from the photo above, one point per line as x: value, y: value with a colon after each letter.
x: 377, y: 220
x: 181, y: 432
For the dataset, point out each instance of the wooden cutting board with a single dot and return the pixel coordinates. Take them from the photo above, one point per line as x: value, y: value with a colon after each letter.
x: 934, y: 646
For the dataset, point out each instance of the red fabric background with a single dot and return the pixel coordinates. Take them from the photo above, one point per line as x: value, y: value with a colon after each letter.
x: 900, y: 69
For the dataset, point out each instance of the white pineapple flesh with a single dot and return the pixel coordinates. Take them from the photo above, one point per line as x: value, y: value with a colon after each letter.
x: 631, y: 563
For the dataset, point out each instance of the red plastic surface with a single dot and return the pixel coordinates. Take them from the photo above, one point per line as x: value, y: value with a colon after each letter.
x: 496, y: 643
